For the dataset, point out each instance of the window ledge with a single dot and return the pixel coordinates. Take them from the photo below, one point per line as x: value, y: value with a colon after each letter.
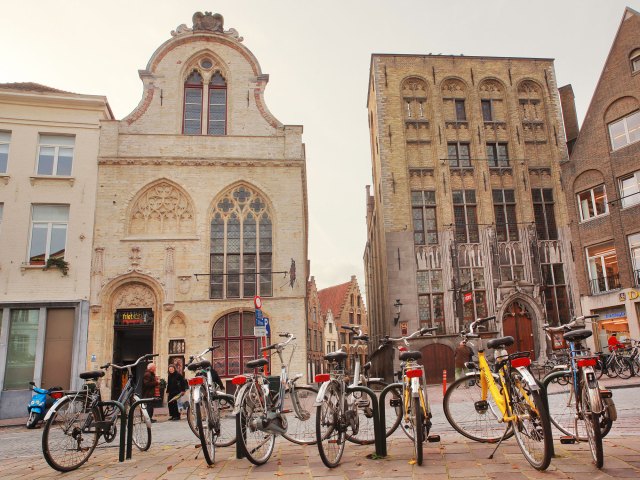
x: 584, y: 222
x: 27, y: 266
x: 4, y: 178
x: 158, y: 238
x: 51, y: 178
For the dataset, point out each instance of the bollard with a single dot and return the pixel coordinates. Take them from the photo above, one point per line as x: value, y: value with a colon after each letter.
x: 379, y: 430
x: 444, y: 382
x: 544, y: 383
x: 381, y: 449
x: 130, y: 423
x: 123, y: 425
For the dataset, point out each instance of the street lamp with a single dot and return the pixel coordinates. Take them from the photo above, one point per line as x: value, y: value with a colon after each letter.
x: 397, y: 307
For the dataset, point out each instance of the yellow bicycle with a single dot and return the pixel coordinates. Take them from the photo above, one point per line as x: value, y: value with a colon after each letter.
x: 490, y: 405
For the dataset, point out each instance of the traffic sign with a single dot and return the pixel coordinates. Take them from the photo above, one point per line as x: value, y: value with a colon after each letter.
x: 259, y: 331
x: 257, y: 302
x: 267, y: 325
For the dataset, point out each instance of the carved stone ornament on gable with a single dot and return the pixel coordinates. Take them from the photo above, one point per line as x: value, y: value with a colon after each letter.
x: 135, y: 296
x: 207, y: 22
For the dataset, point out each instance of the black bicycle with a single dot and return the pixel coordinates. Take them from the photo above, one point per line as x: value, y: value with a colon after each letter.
x: 75, y: 423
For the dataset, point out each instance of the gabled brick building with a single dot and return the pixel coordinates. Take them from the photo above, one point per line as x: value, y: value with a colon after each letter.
x: 315, y: 331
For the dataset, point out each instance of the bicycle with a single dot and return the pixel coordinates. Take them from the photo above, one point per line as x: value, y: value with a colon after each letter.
x: 477, y: 404
x: 261, y: 405
x: 580, y: 412
x: 75, y: 423
x: 366, y: 427
x: 416, y: 410
x: 206, y: 406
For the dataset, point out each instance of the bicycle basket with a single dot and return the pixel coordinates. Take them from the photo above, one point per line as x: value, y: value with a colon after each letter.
x: 274, y: 383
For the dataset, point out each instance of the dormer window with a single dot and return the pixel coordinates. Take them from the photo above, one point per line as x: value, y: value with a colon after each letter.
x: 217, y: 105
x: 192, y: 124
x: 195, y: 102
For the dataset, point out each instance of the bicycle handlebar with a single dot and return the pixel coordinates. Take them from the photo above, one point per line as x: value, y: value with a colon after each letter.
x: 478, y: 322
x: 202, y: 354
x: 279, y: 346
x: 418, y: 333
x: 148, y: 356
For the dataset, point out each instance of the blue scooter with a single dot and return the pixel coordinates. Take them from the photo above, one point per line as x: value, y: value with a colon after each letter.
x: 41, y: 402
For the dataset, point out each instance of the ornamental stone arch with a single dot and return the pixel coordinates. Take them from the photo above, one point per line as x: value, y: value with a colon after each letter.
x: 414, y: 86
x: 177, y: 325
x: 239, y: 198
x: 453, y: 87
x: 161, y: 208
x: 197, y: 62
x: 537, y: 316
x: 587, y: 179
x: 491, y: 86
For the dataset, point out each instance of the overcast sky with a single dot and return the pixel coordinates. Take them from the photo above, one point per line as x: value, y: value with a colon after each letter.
x: 317, y: 55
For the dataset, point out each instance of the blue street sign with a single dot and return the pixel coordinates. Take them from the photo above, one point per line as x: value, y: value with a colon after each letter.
x: 259, y: 318
x: 268, y: 325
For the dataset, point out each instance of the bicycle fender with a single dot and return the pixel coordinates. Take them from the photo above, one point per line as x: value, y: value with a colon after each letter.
x: 238, y: 398
x: 321, y: 391
x: 591, y: 384
x: 54, y: 408
x: 527, y: 377
x: 145, y: 413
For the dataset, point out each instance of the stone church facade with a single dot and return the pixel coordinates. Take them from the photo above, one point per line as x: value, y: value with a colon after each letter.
x: 201, y: 205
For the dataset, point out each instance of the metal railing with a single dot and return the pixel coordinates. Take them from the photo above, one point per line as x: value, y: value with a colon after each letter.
x: 605, y: 284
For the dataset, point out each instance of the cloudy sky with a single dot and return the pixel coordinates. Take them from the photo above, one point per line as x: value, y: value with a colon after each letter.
x: 317, y: 55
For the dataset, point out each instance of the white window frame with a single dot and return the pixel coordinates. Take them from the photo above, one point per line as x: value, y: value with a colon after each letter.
x: 5, y: 139
x: 624, y: 122
x: 629, y: 199
x: 50, y: 226
x: 634, y: 58
x: 56, y: 149
x: 592, y: 260
x: 593, y: 203
x: 634, y: 250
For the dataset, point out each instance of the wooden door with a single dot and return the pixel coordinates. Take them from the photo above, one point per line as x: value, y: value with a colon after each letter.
x: 517, y: 323
x: 436, y: 358
x: 58, y: 348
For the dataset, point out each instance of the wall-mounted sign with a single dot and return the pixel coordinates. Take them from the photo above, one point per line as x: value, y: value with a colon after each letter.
x: 610, y: 315
x: 468, y: 297
x: 134, y: 317
x: 404, y: 328
x: 176, y: 347
x: 557, y: 341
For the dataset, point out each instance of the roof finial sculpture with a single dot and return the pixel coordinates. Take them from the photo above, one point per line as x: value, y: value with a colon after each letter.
x: 207, y: 22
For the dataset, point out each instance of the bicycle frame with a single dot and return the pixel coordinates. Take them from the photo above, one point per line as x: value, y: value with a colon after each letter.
x: 589, y: 380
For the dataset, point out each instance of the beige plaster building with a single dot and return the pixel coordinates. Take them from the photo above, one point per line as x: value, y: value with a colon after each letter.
x: 202, y: 204
x: 48, y: 173
x: 466, y: 217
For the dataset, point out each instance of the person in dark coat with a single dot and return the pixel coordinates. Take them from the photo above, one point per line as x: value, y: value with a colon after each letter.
x: 176, y: 385
x: 150, y: 387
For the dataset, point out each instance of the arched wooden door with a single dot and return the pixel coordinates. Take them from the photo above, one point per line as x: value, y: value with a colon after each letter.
x: 517, y: 322
x: 436, y: 358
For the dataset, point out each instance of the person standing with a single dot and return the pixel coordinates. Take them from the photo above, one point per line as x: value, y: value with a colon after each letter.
x: 150, y: 386
x: 176, y: 385
x: 463, y: 354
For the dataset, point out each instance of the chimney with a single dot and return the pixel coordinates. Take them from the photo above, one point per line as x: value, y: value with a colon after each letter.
x: 568, y: 103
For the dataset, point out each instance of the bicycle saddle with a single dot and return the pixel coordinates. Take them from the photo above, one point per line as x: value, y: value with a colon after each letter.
x: 257, y: 363
x: 576, y: 335
x: 500, y: 342
x: 92, y: 375
x: 336, y: 356
x: 199, y: 365
x: 410, y: 355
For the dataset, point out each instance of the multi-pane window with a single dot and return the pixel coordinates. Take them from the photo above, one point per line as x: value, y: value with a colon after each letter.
x: 543, y: 210
x: 472, y: 280
x: 602, y: 262
x: 351, y: 317
x: 55, y: 155
x: 458, y: 154
x: 217, y: 105
x: 555, y: 293
x: 192, y: 122
x: 5, y: 140
x: 233, y: 334
x: 497, y: 155
x: 465, y: 216
x: 531, y: 110
x: 461, y: 114
x: 504, y: 206
x: 630, y: 189
x: 511, y: 262
x: 425, y: 228
x: 634, y: 249
x: 625, y: 131
x: 635, y: 61
x: 241, y: 246
x: 21, y: 348
x: 48, y: 232
x: 488, y: 114
x: 593, y: 203
x: 414, y: 109
x: 431, y: 299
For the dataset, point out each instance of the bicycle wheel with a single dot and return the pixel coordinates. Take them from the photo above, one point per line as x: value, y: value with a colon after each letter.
x: 191, y: 419
x: 205, y: 421
x: 331, y: 426
x: 223, y: 404
x: 623, y: 368
x: 70, y: 437
x: 393, y: 405
x: 366, y: 425
x: 592, y: 426
x: 256, y: 444
x: 599, y: 368
x: 416, y: 421
x: 610, y: 367
x: 472, y: 415
x: 141, y: 427
x: 298, y: 403
x: 562, y: 407
x: 532, y: 427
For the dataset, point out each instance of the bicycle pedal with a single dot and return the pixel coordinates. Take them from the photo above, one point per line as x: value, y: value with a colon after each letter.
x: 567, y: 440
x: 481, y: 406
x: 433, y: 438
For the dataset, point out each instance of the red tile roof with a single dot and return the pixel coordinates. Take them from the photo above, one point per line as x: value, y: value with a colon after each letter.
x: 30, y: 87
x: 333, y: 298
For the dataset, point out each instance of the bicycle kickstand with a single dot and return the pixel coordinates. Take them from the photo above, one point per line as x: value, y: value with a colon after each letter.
x: 500, y: 441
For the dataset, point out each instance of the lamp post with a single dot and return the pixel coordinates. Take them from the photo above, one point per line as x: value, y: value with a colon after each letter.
x: 397, y: 307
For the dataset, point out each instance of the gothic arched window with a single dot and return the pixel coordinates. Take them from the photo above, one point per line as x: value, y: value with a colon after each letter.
x: 217, y: 105
x: 192, y: 120
x: 233, y: 334
x: 241, y: 246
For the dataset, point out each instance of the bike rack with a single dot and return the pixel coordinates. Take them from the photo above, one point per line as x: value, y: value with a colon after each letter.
x: 543, y: 388
x: 380, y: 439
x: 383, y: 420
x: 239, y: 451
x: 132, y: 409
x: 123, y: 425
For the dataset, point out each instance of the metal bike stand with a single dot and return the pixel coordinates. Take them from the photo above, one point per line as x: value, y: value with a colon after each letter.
x: 239, y: 451
x: 545, y: 398
x: 123, y: 425
x: 379, y: 439
x: 382, y: 417
x: 132, y: 409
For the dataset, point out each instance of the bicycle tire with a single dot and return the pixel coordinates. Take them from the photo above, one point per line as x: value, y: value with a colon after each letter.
x: 468, y: 417
x: 331, y: 426
x: 599, y: 368
x: 592, y: 426
x: 141, y: 430
x: 227, y: 434
x: 191, y: 420
x: 532, y: 427
x: 393, y: 413
x: 417, y: 417
x: 366, y: 424
x: 66, y: 422
x: 206, y: 429
x: 624, y: 368
x: 562, y: 407
x: 256, y: 445
x: 610, y: 370
x: 301, y: 430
